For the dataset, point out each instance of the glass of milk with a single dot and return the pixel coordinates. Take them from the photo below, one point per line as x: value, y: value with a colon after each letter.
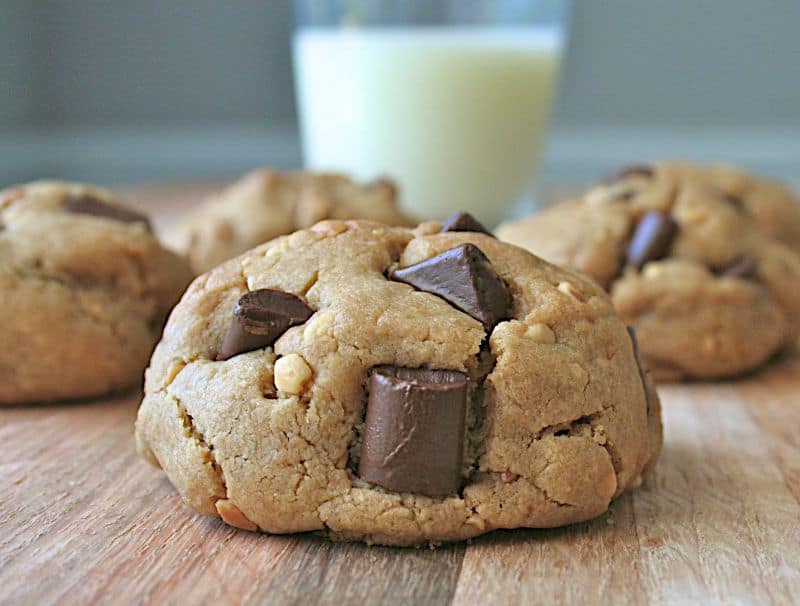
x: 451, y: 98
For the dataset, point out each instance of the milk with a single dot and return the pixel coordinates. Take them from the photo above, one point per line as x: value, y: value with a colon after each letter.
x: 455, y: 115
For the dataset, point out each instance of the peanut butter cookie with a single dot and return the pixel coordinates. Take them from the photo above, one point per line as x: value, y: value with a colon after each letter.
x: 86, y: 288
x: 397, y: 387
x: 695, y: 259
x: 265, y: 204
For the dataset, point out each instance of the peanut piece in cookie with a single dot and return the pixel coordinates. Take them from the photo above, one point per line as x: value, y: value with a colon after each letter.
x: 292, y: 373
x: 233, y: 516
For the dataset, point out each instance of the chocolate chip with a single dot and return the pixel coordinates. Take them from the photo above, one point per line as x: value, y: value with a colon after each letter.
x: 635, y: 344
x: 652, y: 238
x: 624, y: 196
x: 462, y: 276
x: 734, y: 201
x: 259, y: 318
x: 743, y: 267
x: 89, y: 205
x: 632, y: 170
x: 463, y: 221
x: 414, y: 430
x: 639, y: 364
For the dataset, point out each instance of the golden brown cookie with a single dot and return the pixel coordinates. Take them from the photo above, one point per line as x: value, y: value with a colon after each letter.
x: 265, y: 204
x: 397, y: 387
x: 771, y: 204
x: 86, y: 288
x: 710, y: 291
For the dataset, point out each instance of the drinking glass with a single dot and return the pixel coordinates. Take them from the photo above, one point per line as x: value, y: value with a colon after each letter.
x: 449, y: 98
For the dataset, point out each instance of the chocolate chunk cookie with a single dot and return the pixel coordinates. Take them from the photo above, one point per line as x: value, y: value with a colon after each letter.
x: 771, y: 204
x: 340, y: 380
x: 265, y: 204
x: 694, y: 259
x: 86, y: 288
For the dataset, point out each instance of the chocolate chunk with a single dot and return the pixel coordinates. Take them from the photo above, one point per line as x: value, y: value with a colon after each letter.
x: 624, y: 196
x: 259, y: 318
x: 652, y: 238
x: 635, y: 343
x: 743, y: 267
x: 89, y: 205
x: 639, y: 364
x: 632, y: 170
x: 463, y: 221
x: 414, y: 430
x: 462, y: 276
x: 734, y: 201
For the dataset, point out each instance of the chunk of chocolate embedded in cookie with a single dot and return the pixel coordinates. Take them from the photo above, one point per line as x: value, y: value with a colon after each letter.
x: 635, y: 345
x: 652, y: 238
x: 463, y: 221
x: 90, y: 205
x: 743, y: 267
x: 623, y: 196
x: 642, y: 370
x: 734, y: 201
x: 464, y: 277
x: 633, y: 170
x: 414, y: 430
x: 259, y: 318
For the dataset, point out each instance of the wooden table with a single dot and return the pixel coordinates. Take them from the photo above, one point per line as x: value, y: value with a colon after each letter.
x: 83, y: 520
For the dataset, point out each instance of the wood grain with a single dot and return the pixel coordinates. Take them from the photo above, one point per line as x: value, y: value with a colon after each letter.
x: 83, y: 520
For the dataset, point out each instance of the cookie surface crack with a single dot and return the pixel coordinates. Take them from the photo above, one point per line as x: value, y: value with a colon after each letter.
x: 547, y: 497
x: 477, y: 421
x: 312, y: 281
x: 193, y: 433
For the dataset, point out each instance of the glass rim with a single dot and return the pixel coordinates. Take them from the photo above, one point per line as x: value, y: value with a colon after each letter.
x: 422, y: 13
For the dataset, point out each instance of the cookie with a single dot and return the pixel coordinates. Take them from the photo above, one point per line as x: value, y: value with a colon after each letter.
x: 265, y: 204
x: 711, y: 291
x: 771, y: 204
x: 86, y: 289
x: 397, y: 387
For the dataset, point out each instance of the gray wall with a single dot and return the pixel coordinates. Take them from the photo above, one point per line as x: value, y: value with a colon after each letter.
x: 156, y: 61
x: 692, y: 61
x: 16, y: 62
x: 128, y: 81
x: 89, y: 62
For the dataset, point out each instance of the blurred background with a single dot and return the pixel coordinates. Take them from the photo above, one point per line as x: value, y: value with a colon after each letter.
x: 120, y: 92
